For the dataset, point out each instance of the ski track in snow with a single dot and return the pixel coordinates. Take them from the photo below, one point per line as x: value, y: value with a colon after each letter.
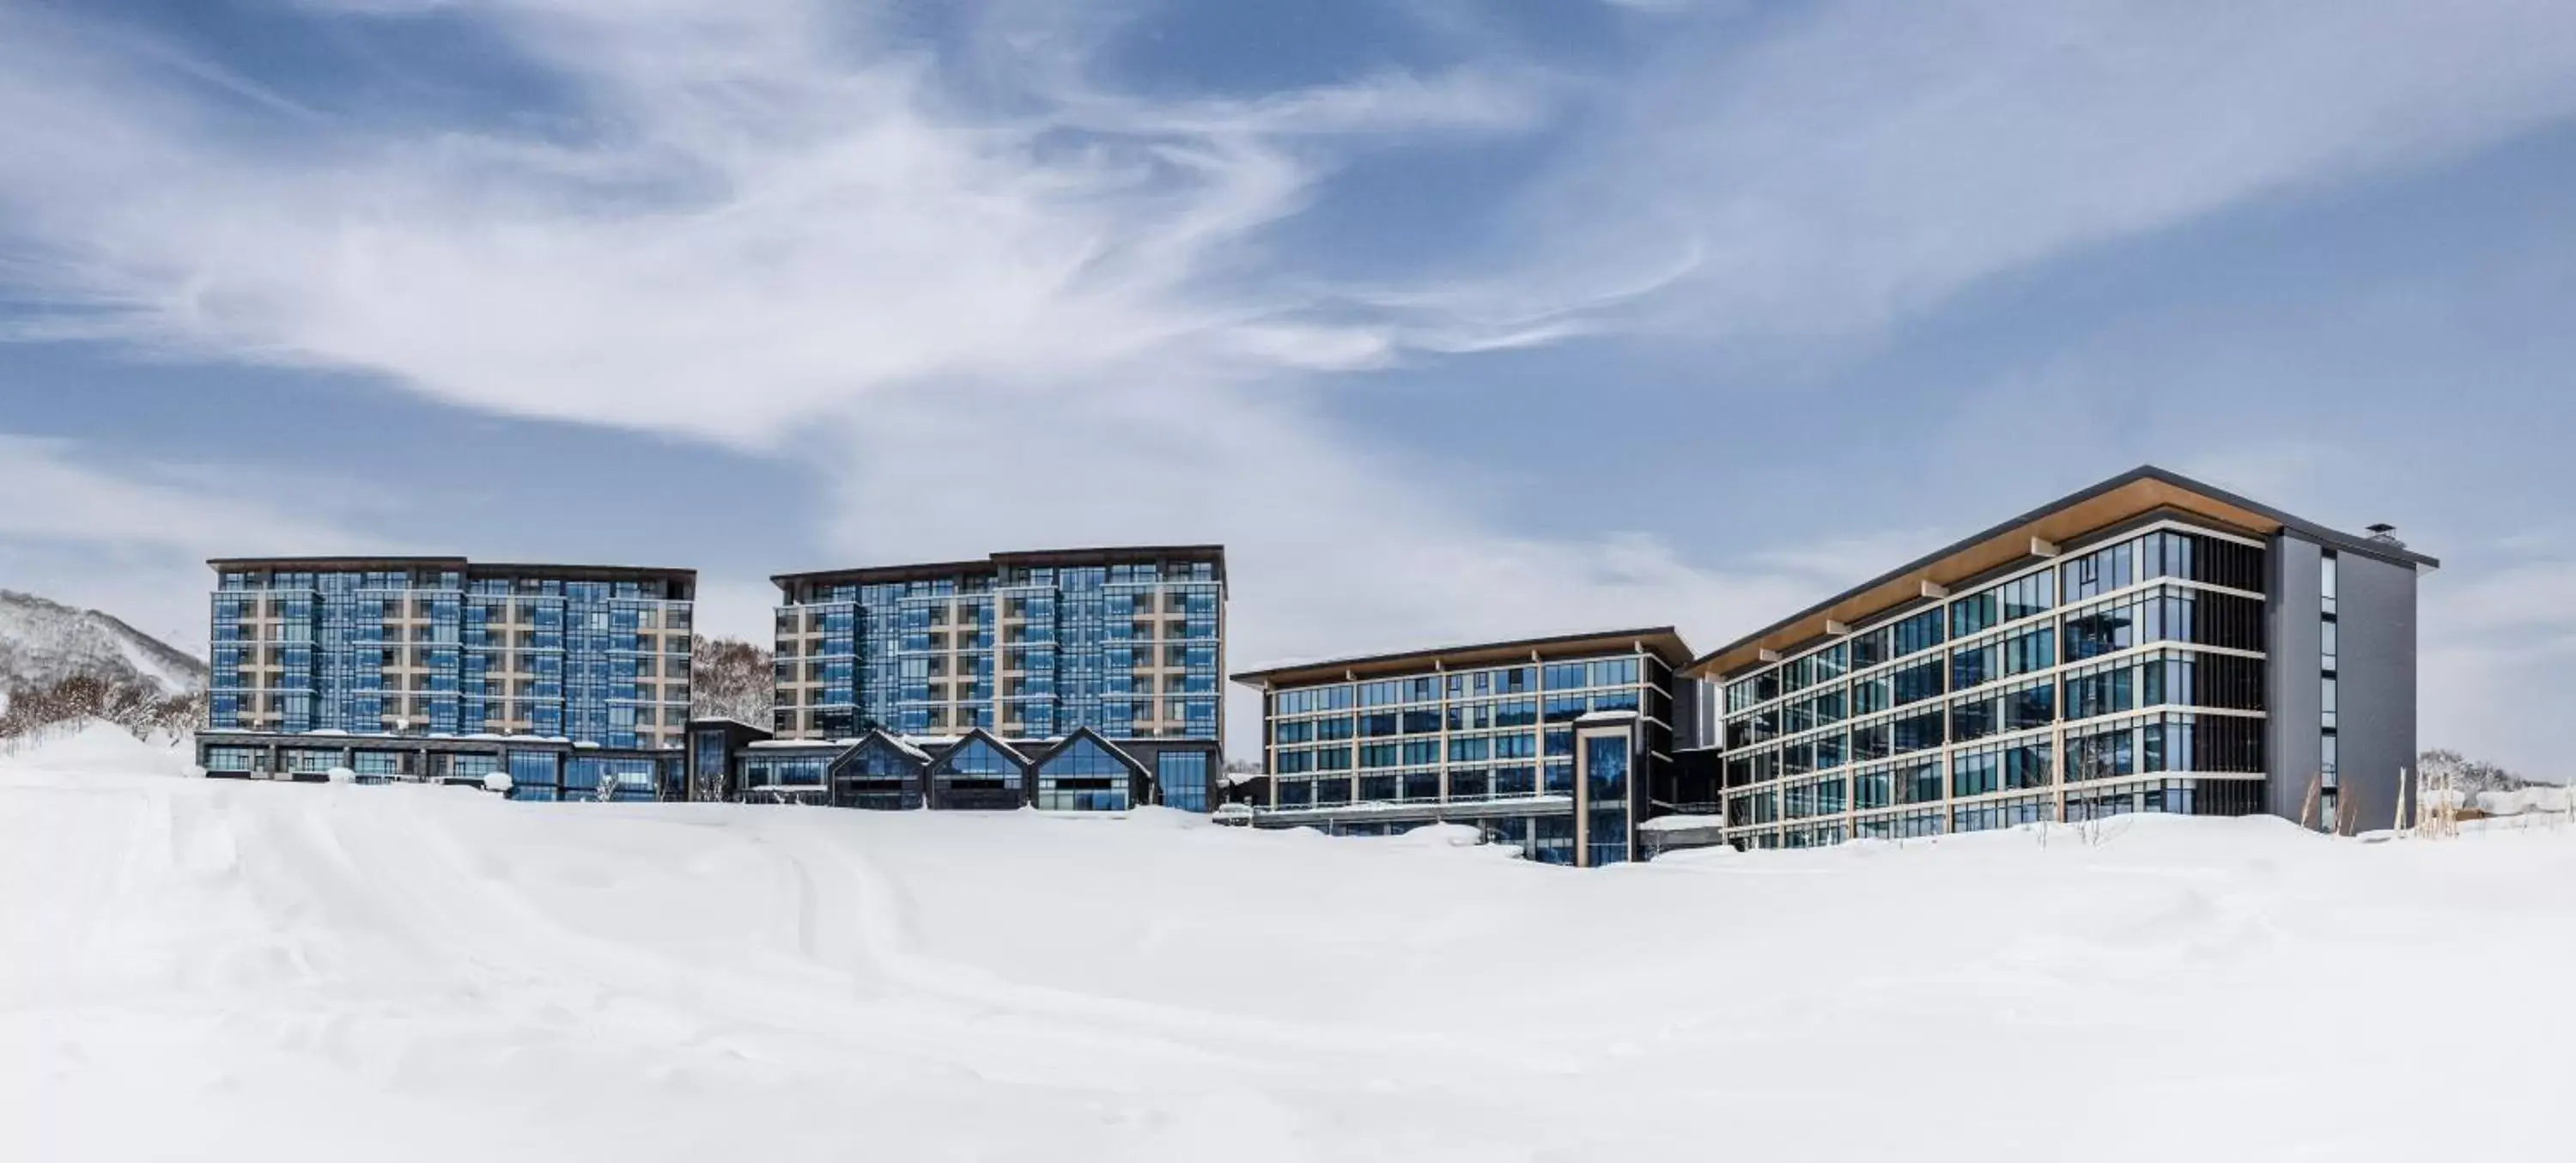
x: 235, y: 971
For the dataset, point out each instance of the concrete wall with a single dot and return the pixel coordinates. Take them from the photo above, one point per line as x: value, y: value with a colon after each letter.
x: 2376, y: 685
x: 2293, y: 748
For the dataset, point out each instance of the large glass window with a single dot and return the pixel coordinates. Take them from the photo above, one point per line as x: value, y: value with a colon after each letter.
x: 1918, y: 633
x: 2026, y: 596
x: 2098, y: 572
x: 534, y: 775
x: 1973, y: 613
x: 1083, y: 776
x: 1918, y: 682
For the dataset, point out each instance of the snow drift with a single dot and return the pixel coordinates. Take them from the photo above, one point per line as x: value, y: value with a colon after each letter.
x: 218, y: 970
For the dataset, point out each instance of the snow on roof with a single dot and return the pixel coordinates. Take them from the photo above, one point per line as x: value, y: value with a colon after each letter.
x: 1681, y: 823
x: 907, y: 746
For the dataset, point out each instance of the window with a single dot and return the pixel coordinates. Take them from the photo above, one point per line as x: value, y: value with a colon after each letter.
x: 1976, y: 773
x: 2099, y: 690
x: 2026, y: 596
x: 1973, y: 613
x: 1606, y: 791
x: 2098, y: 572
x: 1975, y: 666
x: 1082, y: 776
x: 2101, y: 754
x: 1870, y: 648
x: 2027, y: 652
x: 1918, y: 633
x: 1974, y: 719
x: 1183, y: 777
x: 2030, y: 704
x: 1918, y: 682
x: 1917, y: 732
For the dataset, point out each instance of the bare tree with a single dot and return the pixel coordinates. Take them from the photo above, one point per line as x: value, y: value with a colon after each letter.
x: 143, y: 710
x: 2444, y: 767
x: 729, y: 679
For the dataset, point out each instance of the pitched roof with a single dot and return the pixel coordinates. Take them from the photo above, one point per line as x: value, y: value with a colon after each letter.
x: 1120, y: 753
x: 1000, y: 744
x: 2138, y: 493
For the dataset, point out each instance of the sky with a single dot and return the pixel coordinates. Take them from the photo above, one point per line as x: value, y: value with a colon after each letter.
x: 1450, y: 321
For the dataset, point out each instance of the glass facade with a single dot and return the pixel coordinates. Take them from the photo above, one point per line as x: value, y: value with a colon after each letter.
x: 1083, y: 776
x: 1183, y: 778
x: 443, y: 648
x: 1606, y: 797
x: 1131, y: 648
x: 2127, y: 676
x: 1489, y: 745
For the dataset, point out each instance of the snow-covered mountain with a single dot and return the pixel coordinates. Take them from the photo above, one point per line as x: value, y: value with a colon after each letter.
x: 44, y: 642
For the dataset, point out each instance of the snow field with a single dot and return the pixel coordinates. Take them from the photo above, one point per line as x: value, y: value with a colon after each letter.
x: 235, y: 971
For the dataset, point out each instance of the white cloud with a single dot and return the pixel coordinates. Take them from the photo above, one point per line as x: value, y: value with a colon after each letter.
x: 64, y: 491
x: 1826, y: 170
x: 132, y: 539
x: 775, y: 231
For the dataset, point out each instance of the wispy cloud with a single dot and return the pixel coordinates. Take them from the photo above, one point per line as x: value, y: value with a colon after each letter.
x: 777, y: 230
x: 1827, y: 168
x: 132, y: 539
x: 65, y: 491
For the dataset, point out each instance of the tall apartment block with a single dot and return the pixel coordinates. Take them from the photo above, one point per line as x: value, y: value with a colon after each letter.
x: 572, y: 679
x: 1127, y: 644
x: 1559, y: 746
x: 2150, y: 644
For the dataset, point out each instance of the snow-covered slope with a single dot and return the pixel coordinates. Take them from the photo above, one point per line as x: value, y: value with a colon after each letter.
x: 217, y: 970
x: 44, y: 642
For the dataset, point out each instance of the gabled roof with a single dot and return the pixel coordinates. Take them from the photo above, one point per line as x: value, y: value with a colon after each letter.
x: 1120, y: 753
x: 999, y: 744
x: 898, y: 742
x: 2140, y: 493
x: 1661, y: 641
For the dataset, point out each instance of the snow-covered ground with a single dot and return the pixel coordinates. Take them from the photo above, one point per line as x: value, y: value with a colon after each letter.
x: 212, y: 970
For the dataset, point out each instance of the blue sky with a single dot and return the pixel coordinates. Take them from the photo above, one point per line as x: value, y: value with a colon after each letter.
x: 1451, y: 320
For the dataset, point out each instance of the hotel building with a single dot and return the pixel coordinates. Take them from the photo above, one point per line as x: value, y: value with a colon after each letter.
x: 574, y: 680
x: 2150, y: 644
x: 1027, y: 649
x: 1558, y: 746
